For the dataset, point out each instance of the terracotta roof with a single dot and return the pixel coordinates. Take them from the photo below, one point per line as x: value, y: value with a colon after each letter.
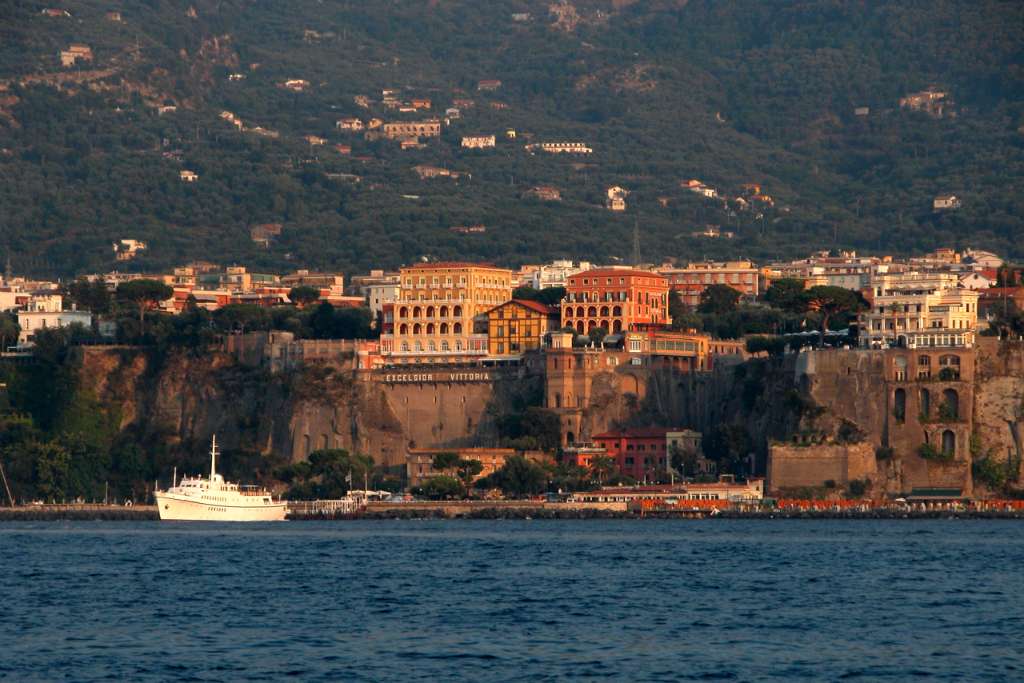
x: 636, y: 433
x: 453, y: 264
x: 619, y: 272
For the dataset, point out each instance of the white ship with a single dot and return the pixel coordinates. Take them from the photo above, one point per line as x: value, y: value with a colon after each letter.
x: 195, y: 499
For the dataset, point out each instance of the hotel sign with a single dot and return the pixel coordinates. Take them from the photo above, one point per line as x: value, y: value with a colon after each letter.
x: 436, y: 377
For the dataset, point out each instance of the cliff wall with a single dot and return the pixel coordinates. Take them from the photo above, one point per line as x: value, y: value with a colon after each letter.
x: 174, y: 404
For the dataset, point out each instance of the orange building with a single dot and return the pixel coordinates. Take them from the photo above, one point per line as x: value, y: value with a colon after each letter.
x: 617, y: 300
x: 517, y: 326
x: 691, y: 281
x: 641, y: 453
x: 435, y: 308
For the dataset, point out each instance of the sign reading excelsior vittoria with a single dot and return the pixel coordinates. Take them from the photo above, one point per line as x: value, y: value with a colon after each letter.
x: 441, y: 377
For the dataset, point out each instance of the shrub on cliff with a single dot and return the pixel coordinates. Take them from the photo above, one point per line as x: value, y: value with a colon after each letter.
x: 930, y: 452
x: 990, y: 472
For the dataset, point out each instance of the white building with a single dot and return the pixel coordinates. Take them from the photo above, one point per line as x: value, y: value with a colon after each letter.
x: 916, y: 309
x: 557, y: 273
x: 478, y: 141
x: 976, y: 281
x: 42, y: 314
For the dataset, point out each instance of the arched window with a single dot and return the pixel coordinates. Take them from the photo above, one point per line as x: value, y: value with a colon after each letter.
x: 457, y: 312
x: 430, y: 328
x: 616, y: 326
x: 444, y: 345
x: 444, y: 311
x: 604, y: 311
x: 950, y: 409
x: 405, y: 347
x: 926, y: 403
x: 569, y: 438
x: 605, y: 325
x: 949, y: 368
x: 416, y: 311
x: 458, y: 345
x: 568, y: 311
x: 403, y: 312
x: 592, y: 312
x: 403, y: 329
x: 417, y: 329
x: 949, y: 443
x: 419, y: 347
x: 579, y: 311
x: 432, y: 345
x: 899, y: 409
x: 617, y: 311
x: 444, y: 328
x: 457, y: 328
x: 579, y: 326
x: 430, y: 311
x: 558, y: 400
x: 591, y: 324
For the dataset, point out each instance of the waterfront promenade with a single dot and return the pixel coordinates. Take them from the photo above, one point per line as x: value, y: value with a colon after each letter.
x: 530, y: 509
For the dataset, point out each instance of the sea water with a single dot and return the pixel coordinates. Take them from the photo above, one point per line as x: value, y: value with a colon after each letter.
x: 632, y: 600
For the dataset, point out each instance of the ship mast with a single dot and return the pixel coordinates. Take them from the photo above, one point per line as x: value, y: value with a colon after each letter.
x: 213, y: 458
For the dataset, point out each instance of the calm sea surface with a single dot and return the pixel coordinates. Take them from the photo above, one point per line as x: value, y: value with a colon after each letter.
x: 513, y: 600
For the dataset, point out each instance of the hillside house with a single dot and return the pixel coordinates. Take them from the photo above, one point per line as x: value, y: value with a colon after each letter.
x: 946, y: 202
x: 489, y: 85
x: 520, y: 16
x: 861, y: 111
x: 188, y: 176
x: 166, y: 109
x: 713, y: 233
x: 314, y: 140
x: 236, y: 77
x: 114, y: 16
x: 419, y: 103
x: 412, y: 143
x: 126, y: 250
x: 343, y: 149
x: 430, y: 128
x: 425, y: 172
x: 463, y: 103
x: 510, y: 134
x: 478, y: 141
x: 75, y: 53
x: 616, y: 198
x: 295, y: 85
x: 452, y: 113
x: 350, y: 124
x: 468, y: 229
x: 700, y: 188
x: 232, y: 119
x: 499, y: 106
x: 545, y: 193
x: 561, y: 148
x: 264, y: 233
x: 374, y: 124
x: 55, y: 12
x: 362, y: 101
x: 932, y: 102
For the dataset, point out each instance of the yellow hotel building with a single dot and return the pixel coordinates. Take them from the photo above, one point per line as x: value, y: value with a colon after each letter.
x: 435, y: 310
x: 517, y: 326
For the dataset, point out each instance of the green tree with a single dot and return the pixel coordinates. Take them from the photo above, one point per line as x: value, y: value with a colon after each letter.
x: 828, y: 302
x: 520, y: 477
x: 787, y: 294
x: 445, y: 460
x: 718, y: 299
x: 603, y: 467
x: 468, y: 468
x: 9, y: 330
x: 144, y: 295
x: 89, y: 295
x: 303, y: 295
x: 598, y: 334
x: 442, y: 487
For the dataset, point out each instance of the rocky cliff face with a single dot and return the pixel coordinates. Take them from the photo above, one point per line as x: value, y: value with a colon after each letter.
x: 174, y: 404
x: 999, y: 403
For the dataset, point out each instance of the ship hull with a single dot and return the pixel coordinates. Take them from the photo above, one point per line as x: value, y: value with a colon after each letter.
x: 181, y: 508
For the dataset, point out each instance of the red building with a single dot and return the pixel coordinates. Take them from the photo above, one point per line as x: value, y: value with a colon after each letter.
x: 641, y: 453
x: 618, y: 300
